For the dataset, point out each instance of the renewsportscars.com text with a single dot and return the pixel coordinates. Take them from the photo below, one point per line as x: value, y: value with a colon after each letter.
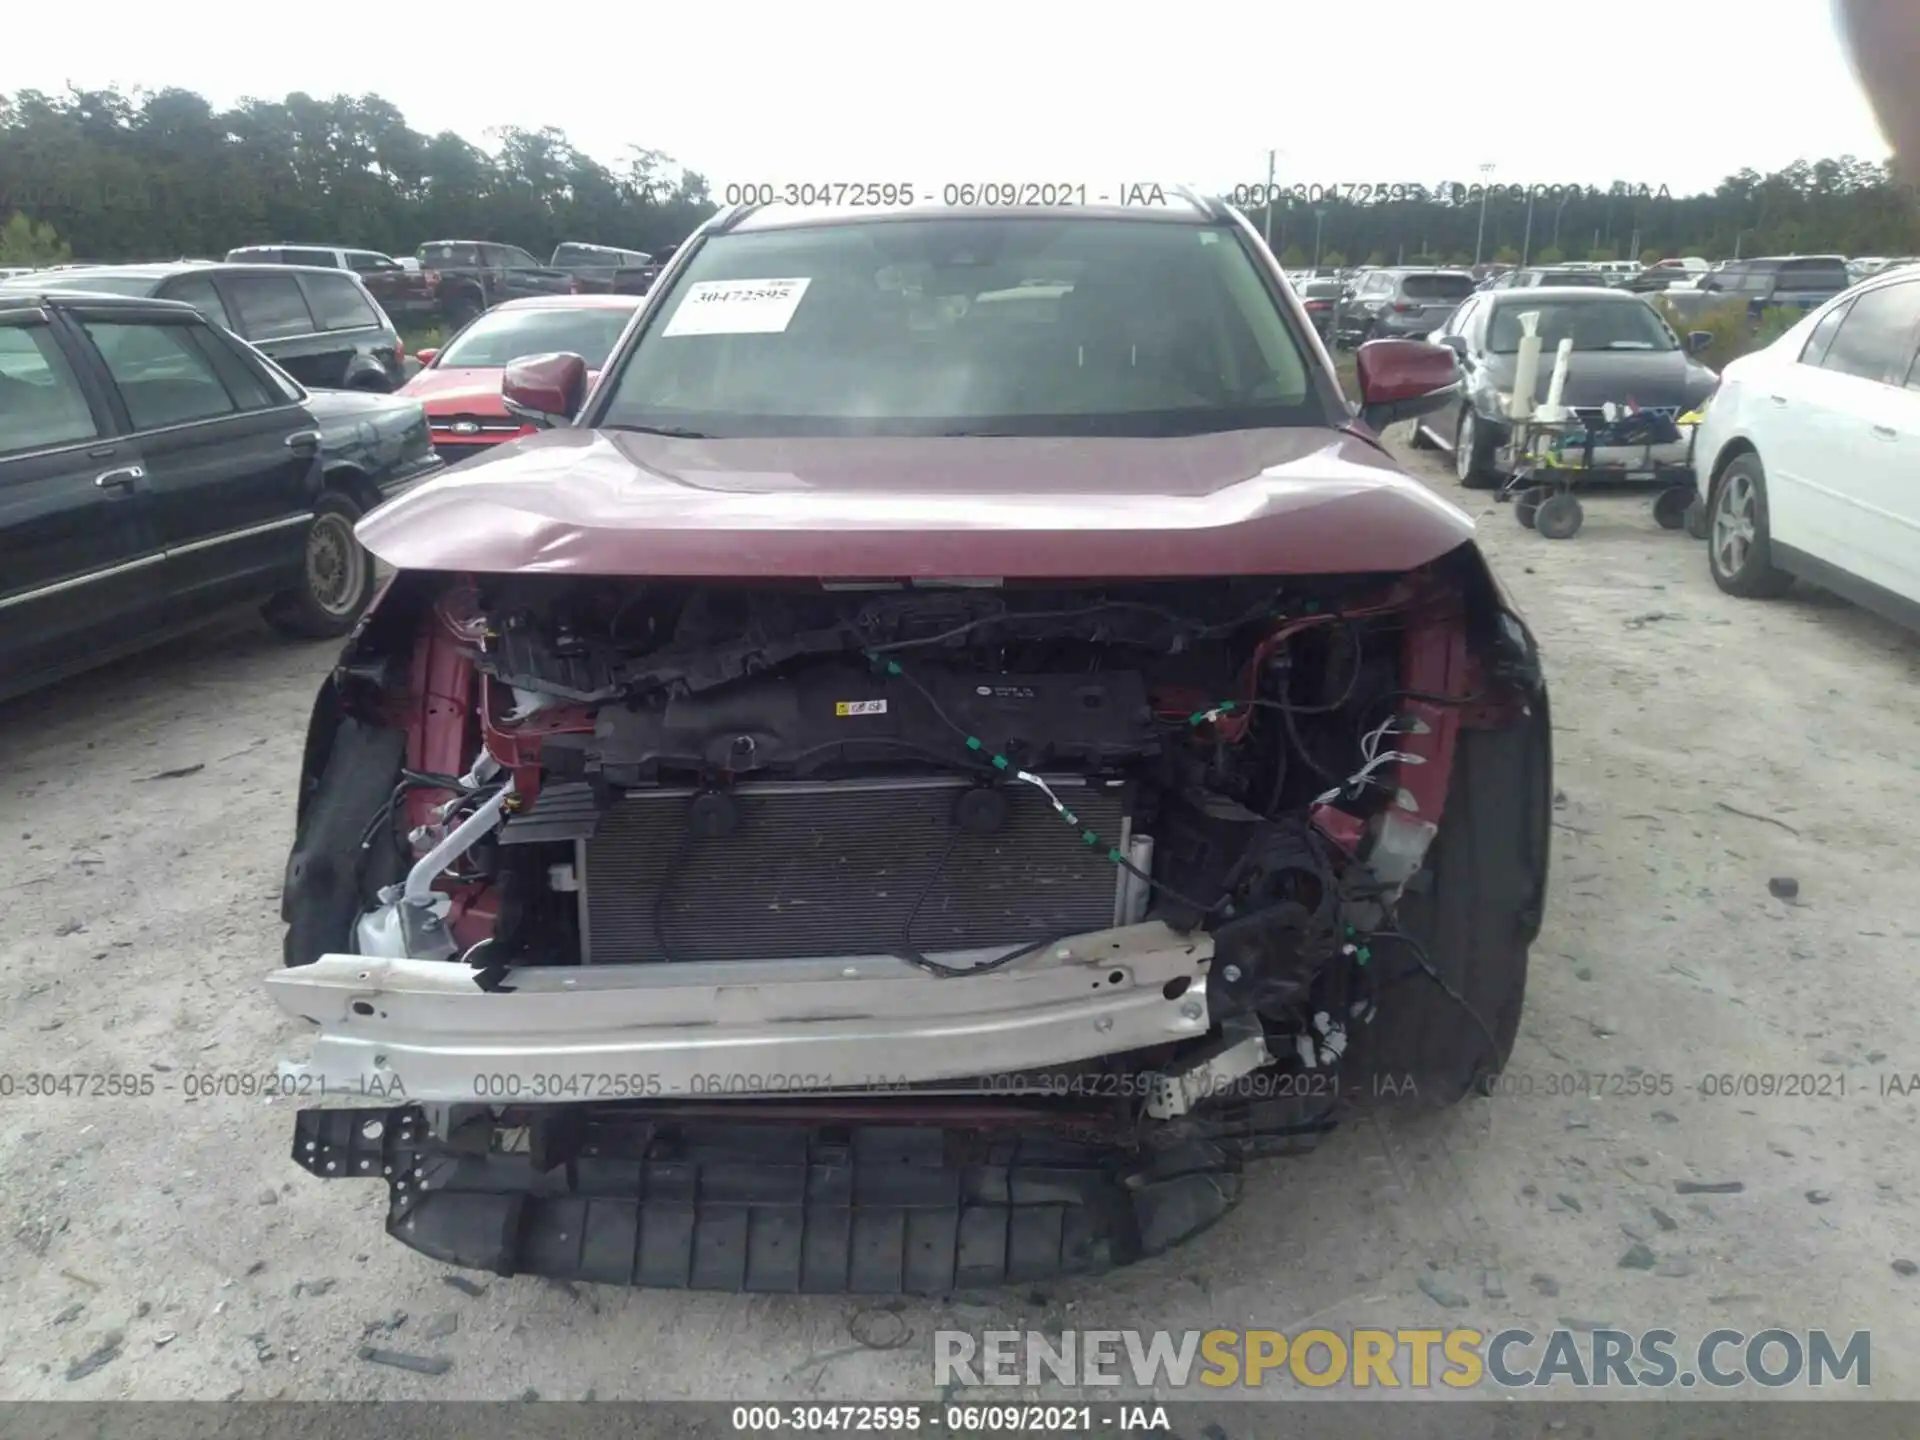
x: 1367, y: 1358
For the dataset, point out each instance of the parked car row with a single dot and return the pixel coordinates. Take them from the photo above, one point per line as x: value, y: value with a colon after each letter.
x: 445, y: 282
x: 323, y: 327
x: 1805, y: 452
x: 155, y: 470
x: 1623, y: 352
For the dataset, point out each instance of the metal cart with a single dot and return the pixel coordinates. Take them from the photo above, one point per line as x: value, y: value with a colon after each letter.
x: 1548, y: 460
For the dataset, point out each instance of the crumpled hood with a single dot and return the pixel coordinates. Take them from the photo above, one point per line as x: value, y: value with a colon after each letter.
x: 1253, y: 502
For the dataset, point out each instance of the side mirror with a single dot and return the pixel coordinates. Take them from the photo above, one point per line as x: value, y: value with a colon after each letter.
x: 1457, y: 344
x: 1698, y: 340
x: 545, y: 389
x: 1400, y: 379
x: 427, y: 356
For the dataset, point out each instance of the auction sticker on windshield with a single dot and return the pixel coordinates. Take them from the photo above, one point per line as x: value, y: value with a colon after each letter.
x: 737, y: 307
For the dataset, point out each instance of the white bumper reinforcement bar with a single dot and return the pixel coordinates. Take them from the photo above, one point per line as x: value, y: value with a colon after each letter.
x: 424, y: 1030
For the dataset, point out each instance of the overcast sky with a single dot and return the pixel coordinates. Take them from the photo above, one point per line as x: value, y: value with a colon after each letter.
x: 1389, y: 92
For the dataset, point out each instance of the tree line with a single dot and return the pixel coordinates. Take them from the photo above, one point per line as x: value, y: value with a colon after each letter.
x: 148, y: 175
x: 1844, y: 206
x: 102, y: 175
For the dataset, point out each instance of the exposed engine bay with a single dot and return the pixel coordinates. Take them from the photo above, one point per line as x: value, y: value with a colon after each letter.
x: 617, y: 884
x: 953, y: 776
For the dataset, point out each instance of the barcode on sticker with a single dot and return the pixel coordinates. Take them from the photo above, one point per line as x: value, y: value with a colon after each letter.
x: 860, y: 707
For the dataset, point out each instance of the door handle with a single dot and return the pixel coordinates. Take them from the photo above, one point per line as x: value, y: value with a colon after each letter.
x: 1778, y: 399
x: 125, y: 478
x: 304, y: 440
x: 1886, y: 432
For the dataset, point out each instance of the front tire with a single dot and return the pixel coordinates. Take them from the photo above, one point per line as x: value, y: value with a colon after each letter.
x: 336, y: 576
x: 1475, y: 917
x: 463, y: 310
x: 1740, y: 538
x: 1473, y: 454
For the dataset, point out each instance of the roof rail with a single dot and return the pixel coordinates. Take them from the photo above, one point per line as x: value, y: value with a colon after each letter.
x: 1209, y: 205
x: 732, y: 218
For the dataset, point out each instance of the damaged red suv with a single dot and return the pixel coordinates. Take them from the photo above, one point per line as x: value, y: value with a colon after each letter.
x: 960, y: 738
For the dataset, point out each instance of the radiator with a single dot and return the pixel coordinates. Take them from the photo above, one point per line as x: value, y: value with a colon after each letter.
x: 834, y: 868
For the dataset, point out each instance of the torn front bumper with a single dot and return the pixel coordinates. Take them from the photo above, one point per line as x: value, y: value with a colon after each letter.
x: 426, y: 1030
x: 900, y: 1202
x: 785, y: 1127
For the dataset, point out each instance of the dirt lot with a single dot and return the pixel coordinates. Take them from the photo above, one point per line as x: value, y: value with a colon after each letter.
x: 162, y: 1248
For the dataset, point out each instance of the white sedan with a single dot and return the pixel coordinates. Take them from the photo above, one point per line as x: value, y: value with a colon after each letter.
x: 1808, y: 459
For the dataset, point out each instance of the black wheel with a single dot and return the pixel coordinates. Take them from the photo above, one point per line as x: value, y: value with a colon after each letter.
x: 463, y: 310
x: 1474, y: 912
x: 1559, y: 517
x: 1739, y: 542
x: 1695, y: 520
x: 1670, y: 506
x: 1526, y: 505
x: 336, y: 576
x: 375, y: 384
x: 1473, y: 453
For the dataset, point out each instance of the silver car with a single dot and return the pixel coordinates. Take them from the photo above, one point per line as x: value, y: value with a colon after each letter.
x: 1404, y: 304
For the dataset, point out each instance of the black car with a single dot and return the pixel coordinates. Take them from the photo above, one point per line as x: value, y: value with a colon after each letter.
x: 322, y: 327
x: 470, y: 277
x: 596, y: 267
x: 402, y: 293
x: 155, y: 471
x: 1622, y: 352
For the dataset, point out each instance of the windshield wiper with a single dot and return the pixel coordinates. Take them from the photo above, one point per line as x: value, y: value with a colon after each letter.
x: 673, y: 432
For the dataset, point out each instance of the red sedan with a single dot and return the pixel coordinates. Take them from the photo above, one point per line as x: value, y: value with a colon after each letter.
x: 459, y: 385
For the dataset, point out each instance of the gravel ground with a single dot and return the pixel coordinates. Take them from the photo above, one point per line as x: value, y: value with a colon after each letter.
x: 167, y: 1248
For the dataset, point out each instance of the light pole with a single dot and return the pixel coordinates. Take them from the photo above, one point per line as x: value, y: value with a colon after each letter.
x: 1526, y: 239
x: 1319, y: 219
x: 1480, y: 240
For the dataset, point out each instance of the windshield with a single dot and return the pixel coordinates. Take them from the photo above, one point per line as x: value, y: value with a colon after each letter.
x: 1592, y: 325
x: 1056, y: 326
x: 502, y: 336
